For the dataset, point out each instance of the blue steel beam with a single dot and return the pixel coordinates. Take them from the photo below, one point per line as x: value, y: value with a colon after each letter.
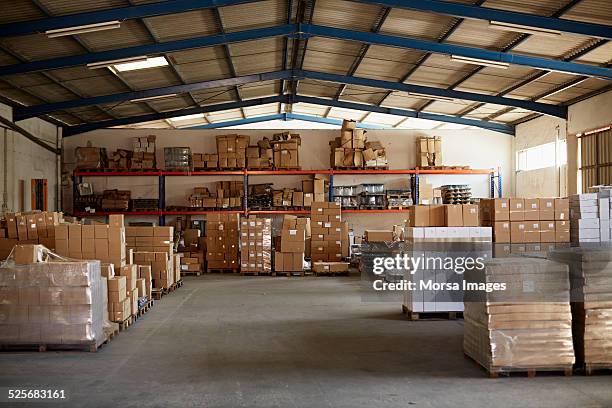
x: 460, y: 50
x: 36, y: 110
x: 122, y: 13
x: 553, y: 110
x: 491, y: 14
x: 498, y: 127
x: 149, y: 49
x: 73, y: 130
x: 284, y: 117
x: 331, y: 121
x: 547, y: 109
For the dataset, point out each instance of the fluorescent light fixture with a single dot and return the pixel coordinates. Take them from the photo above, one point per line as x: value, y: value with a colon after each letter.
x: 478, y: 61
x: 88, y: 28
x: 187, y: 117
x: 143, y: 64
x: 518, y: 28
x: 435, y: 98
x: 152, y: 98
x: 110, y: 63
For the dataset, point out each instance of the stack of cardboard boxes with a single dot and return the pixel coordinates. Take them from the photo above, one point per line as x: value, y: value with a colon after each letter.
x: 256, y: 244
x: 222, y: 241
x: 445, y: 215
x: 119, y: 305
x: 329, y: 235
x: 228, y: 194
x: 203, y: 161
x: 119, y: 159
x: 28, y: 228
x: 97, y: 241
x: 518, y: 220
x: 150, y: 239
x: 286, y: 150
x: 260, y: 156
x: 161, y: 266
x: 347, y: 150
x: 590, y: 215
x: 130, y: 271
x: 231, y: 150
x: 429, y: 151
x: 145, y: 281
x: 374, y: 155
x: 90, y: 158
x: 116, y: 200
x: 202, y: 198
x: 289, y: 257
x: 143, y: 155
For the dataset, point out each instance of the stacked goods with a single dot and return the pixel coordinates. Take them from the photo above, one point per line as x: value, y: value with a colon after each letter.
x: 150, y: 239
x: 286, y: 150
x: 116, y: 200
x: 379, y: 244
x: 177, y: 265
x: 518, y: 220
x: 449, y: 243
x: 120, y: 160
x: 100, y: 241
x: 289, y: 256
x: 229, y: 194
x: 426, y: 192
x: 160, y: 265
x: 590, y: 277
x: 177, y: 158
x: 30, y: 228
x: 398, y: 198
x: 203, y: 161
x: 260, y: 196
x: 347, y: 150
x: 131, y: 286
x: 429, y: 151
x: 347, y: 196
x: 90, y: 158
x: 222, y: 241
x: 231, y: 150
x: 456, y: 194
x: 119, y: 304
x: 144, y: 204
x: 143, y: 156
x: 145, y: 278
x: 371, y: 196
x: 526, y: 327
x: 51, y: 302
x: 319, y: 187
x: 191, y: 263
x: 374, y: 155
x: 329, y: 235
x: 256, y: 244
x: 202, y: 198
x: 446, y: 215
x: 260, y: 156
x: 590, y: 217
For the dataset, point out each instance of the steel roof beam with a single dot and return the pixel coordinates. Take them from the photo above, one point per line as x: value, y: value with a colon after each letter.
x: 284, y: 117
x: 491, y: 14
x: 122, y: 13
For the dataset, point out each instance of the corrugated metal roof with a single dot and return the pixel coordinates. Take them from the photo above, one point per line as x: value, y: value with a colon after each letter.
x: 38, y: 46
x: 309, y: 109
x: 492, y: 81
x: 213, y: 96
x: 20, y: 10
x: 550, y: 47
x: 346, y: 14
x: 539, y: 7
x: 183, y: 25
x: 362, y: 94
x: 61, y: 7
x: 317, y: 88
x: 203, y: 64
x: 252, y: 57
x: 267, y: 109
x: 600, y: 55
x: 420, y: 25
x: 168, y: 104
x: 478, y: 34
x: 221, y: 116
x: 449, y: 108
x: 130, y: 34
x: 339, y: 113
x: 403, y: 100
x: 591, y: 11
x: 150, y: 78
x: 440, y: 71
x: 254, y: 15
x: 383, y: 119
x: 387, y: 63
x: 260, y: 89
x: 329, y: 55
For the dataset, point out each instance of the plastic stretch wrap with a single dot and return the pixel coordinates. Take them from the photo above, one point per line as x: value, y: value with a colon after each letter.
x: 58, y: 301
x: 528, y: 325
x: 256, y: 244
x: 591, y: 297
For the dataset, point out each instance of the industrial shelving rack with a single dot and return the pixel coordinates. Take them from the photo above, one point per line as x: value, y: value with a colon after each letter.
x: 245, y: 174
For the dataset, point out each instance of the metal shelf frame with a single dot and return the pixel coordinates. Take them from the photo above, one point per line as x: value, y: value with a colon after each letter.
x: 78, y: 176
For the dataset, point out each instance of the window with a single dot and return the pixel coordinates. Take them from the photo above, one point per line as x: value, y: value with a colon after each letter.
x: 596, y: 158
x: 542, y: 156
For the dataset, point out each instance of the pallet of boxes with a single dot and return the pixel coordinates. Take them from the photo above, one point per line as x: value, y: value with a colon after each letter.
x: 231, y: 150
x: 347, y: 150
x: 329, y: 239
x: 449, y: 232
x: 222, y: 243
x: 429, y: 151
x: 523, y: 326
x: 36, y: 227
x: 143, y: 153
x: 204, y: 161
x: 526, y: 224
x: 260, y: 156
x: 286, y: 149
x: 51, y: 303
x: 590, y: 217
x: 290, y: 248
x: 152, y: 249
x: 255, y: 246
x: 191, y: 259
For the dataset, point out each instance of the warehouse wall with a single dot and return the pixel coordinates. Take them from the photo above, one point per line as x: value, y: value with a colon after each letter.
x: 26, y: 161
x: 586, y: 115
x: 476, y: 148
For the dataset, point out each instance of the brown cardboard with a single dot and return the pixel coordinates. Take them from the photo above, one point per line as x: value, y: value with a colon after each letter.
x: 470, y: 215
x: 501, y: 232
x: 517, y: 209
x: 517, y: 231
x: 453, y: 215
x: 546, y: 208
x: 532, y: 209
x: 547, y: 231
x: 378, y: 236
x: 562, y: 231
x: 437, y: 216
x: 116, y: 220
x: 418, y: 216
x: 532, y: 231
x: 25, y: 254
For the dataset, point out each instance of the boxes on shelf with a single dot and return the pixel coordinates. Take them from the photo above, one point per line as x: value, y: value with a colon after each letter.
x: 203, y: 161
x: 347, y: 149
x: 177, y: 158
x: 143, y: 156
x: 90, y: 158
x: 286, y: 153
x: 120, y: 159
x: 260, y: 157
x: 255, y: 244
x: 116, y: 200
x: 59, y: 303
x: 222, y: 241
x: 36, y: 227
x: 231, y: 150
x: 504, y: 329
x: 443, y: 215
x: 429, y: 151
x: 374, y: 155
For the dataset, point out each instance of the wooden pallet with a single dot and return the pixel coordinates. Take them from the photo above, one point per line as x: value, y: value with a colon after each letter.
x: 192, y: 273
x: 124, y: 325
x: 329, y: 273
x: 590, y: 369
x: 90, y: 347
x: 222, y: 270
x: 374, y: 168
x: 145, y: 308
x: 179, y: 283
x: 372, y: 207
x: 430, y: 315
x: 530, y: 372
x: 442, y: 168
x: 347, y: 168
x: 397, y: 207
x: 288, y: 273
x: 288, y: 168
x: 157, y: 294
x: 256, y: 273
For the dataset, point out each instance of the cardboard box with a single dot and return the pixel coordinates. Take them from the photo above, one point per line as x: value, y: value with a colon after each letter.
x: 378, y: 236
x: 517, y: 231
x: 532, y: 209
x: 547, y: 209
x: 517, y: 209
x: 547, y: 231
x: 532, y: 231
x: 25, y: 254
x: 562, y: 231
x: 453, y: 215
x: 418, y: 216
x: 437, y: 215
x: 470, y: 215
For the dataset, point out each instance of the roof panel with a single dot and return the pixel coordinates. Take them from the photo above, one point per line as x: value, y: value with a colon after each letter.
x: 552, y: 47
x: 214, y: 96
x: 309, y: 109
x: 403, y: 100
x: 512, y: 116
x: 440, y: 71
x: 39, y: 47
x: 591, y: 11
x: 329, y: 55
x: 183, y: 25
x: 318, y: 88
x: 476, y: 33
x: 150, y: 78
x: 539, y: 7
x: 600, y: 55
x: 252, y: 57
x: 20, y: 10
x: 254, y: 15
x: 260, y: 89
x: 387, y: 63
x: 339, y: 113
x: 130, y: 34
x: 362, y: 94
x: 231, y: 114
x: 448, y: 108
x: 383, y: 119
x: 267, y: 109
x: 61, y: 7
x: 168, y: 104
x: 204, y: 64
x: 422, y: 25
x: 346, y: 14
x: 491, y: 81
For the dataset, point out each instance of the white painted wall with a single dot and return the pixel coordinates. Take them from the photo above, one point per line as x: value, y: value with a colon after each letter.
x: 27, y: 161
x: 476, y: 148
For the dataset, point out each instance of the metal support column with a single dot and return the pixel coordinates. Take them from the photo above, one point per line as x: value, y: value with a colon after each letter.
x: 330, y: 193
x: 245, y: 186
x: 499, y: 180
x: 416, y: 189
x: 161, y: 198
x: 492, y: 184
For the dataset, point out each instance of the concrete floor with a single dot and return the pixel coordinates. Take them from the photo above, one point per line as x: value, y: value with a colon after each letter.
x: 228, y: 341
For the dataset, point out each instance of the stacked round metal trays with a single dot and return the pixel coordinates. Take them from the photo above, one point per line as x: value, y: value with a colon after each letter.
x: 456, y: 193
x: 346, y: 196
x: 371, y: 196
x: 177, y: 158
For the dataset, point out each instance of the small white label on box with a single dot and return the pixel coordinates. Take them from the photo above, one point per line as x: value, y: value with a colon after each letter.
x: 503, y: 205
x: 292, y: 232
x: 328, y: 225
x: 519, y: 205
